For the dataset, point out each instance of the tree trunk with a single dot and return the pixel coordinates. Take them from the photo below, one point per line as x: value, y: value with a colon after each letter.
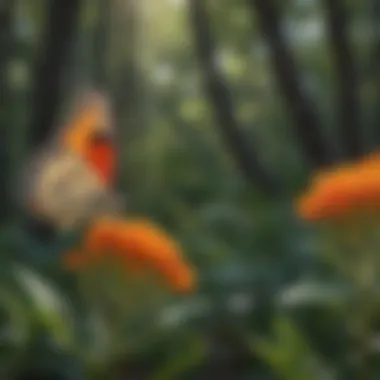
x: 222, y: 104
x: 347, y: 94
x: 300, y: 104
x: 61, y: 21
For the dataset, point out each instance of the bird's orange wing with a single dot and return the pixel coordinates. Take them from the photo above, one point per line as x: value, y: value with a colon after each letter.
x: 90, y: 135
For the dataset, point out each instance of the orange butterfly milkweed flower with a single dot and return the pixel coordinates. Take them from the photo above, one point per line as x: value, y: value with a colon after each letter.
x: 134, y: 244
x: 341, y: 191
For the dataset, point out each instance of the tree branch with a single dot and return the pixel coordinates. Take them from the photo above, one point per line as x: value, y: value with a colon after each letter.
x: 221, y: 102
x: 59, y: 30
x: 301, y: 106
x: 348, y: 101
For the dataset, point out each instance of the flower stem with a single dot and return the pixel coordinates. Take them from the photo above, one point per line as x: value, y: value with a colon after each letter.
x: 365, y: 283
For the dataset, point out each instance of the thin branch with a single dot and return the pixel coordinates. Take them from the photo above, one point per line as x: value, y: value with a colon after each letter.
x: 59, y: 31
x: 348, y: 100
x: 221, y: 101
x: 300, y: 104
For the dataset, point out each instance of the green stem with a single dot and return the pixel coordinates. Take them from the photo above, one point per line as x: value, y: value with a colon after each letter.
x: 365, y: 283
x: 356, y: 258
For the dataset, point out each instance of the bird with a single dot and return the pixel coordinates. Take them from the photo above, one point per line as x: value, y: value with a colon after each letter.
x: 70, y: 179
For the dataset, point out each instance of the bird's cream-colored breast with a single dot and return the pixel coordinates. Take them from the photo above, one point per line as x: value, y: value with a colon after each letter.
x: 65, y: 191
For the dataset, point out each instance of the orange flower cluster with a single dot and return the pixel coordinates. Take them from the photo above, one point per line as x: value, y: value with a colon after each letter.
x: 342, y: 191
x: 135, y: 244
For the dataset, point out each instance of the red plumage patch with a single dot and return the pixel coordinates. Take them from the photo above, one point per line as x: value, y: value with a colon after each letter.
x: 101, y: 155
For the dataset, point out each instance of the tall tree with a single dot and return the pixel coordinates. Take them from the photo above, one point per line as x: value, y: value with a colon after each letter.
x: 58, y: 32
x: 347, y: 94
x: 299, y: 102
x: 374, y: 8
x: 221, y: 101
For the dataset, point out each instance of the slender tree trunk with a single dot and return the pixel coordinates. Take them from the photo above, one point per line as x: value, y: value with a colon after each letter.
x: 61, y: 21
x: 221, y: 102
x: 347, y: 94
x: 375, y: 69
x: 300, y: 104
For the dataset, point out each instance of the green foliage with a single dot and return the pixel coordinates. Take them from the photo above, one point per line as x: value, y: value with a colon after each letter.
x: 256, y: 263
x: 289, y: 354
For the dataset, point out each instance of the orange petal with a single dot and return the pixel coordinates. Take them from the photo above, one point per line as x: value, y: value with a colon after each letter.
x: 138, y: 244
x: 337, y: 192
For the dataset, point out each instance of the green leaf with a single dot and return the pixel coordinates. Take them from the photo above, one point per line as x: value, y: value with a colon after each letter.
x: 289, y: 354
x: 48, y: 305
x: 193, y: 353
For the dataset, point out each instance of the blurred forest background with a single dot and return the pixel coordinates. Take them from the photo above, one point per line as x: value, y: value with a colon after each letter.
x: 224, y: 108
